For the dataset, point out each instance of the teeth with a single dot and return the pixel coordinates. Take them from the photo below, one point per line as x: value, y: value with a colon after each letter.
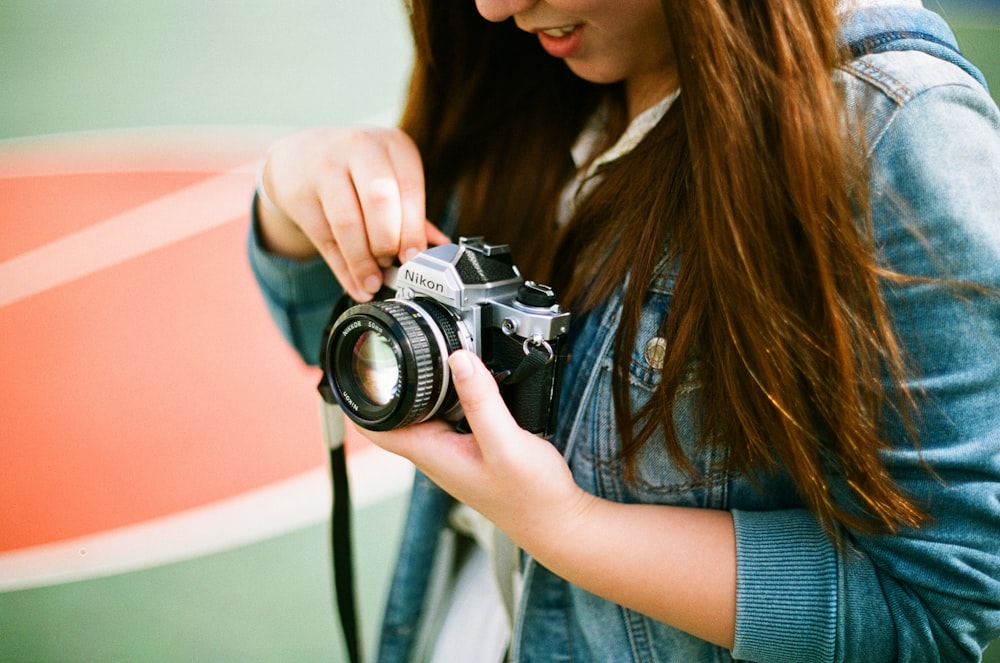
x: 559, y: 32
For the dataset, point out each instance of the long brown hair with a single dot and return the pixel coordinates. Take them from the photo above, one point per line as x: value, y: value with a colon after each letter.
x: 494, y: 117
x: 751, y: 184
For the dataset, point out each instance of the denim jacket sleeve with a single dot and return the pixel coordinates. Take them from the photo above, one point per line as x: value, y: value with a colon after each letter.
x: 299, y: 294
x: 931, y: 593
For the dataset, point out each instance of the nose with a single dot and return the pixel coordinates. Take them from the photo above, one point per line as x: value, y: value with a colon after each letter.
x: 501, y: 10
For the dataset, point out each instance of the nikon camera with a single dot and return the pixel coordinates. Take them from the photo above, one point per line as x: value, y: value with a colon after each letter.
x: 385, y: 362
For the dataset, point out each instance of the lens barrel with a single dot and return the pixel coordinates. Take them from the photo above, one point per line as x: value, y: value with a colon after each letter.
x: 387, y: 362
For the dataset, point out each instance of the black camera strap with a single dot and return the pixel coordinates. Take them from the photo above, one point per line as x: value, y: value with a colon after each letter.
x: 536, y: 357
x: 340, y: 530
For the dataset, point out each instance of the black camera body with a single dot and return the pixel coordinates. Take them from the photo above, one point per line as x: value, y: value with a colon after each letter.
x: 385, y: 361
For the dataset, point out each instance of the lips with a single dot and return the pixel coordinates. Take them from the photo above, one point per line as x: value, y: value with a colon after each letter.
x: 561, y: 41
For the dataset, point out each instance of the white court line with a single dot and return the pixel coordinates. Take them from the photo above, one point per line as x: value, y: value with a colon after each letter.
x: 163, y: 221
x: 145, y: 228
x: 273, y: 510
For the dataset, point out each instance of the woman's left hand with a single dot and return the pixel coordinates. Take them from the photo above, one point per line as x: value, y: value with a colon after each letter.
x: 675, y: 564
x: 517, y: 480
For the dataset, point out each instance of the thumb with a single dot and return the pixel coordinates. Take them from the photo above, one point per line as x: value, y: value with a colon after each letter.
x: 484, y: 408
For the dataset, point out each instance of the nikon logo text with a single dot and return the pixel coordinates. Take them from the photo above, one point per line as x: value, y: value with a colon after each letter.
x: 422, y: 281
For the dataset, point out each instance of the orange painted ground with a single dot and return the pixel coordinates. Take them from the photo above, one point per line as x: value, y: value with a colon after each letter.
x: 145, y: 388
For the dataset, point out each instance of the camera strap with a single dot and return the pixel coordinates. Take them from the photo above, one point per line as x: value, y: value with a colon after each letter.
x: 340, y: 530
x: 536, y: 356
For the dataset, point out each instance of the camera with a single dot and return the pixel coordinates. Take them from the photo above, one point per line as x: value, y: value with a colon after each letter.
x: 385, y: 361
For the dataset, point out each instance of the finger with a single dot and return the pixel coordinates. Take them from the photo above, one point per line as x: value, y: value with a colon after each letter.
x: 484, y: 408
x: 379, y: 197
x: 313, y: 225
x: 434, y: 235
x: 435, y: 448
x: 347, y: 237
x: 409, y: 171
x: 338, y: 266
x: 388, y: 179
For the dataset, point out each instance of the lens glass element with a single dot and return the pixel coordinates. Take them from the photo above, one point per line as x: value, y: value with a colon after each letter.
x: 376, y: 371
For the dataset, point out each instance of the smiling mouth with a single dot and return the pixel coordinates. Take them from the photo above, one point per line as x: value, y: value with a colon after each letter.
x: 561, y: 41
x: 559, y: 32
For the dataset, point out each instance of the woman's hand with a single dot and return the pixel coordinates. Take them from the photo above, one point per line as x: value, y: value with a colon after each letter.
x: 354, y: 195
x: 517, y: 480
x: 676, y: 564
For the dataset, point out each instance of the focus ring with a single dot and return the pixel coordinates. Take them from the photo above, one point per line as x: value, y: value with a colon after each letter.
x: 422, y: 381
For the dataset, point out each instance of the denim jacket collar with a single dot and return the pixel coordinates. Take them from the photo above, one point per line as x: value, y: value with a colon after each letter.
x: 878, y: 29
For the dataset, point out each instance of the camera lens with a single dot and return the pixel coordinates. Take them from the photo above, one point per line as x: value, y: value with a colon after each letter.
x: 387, y: 362
x: 374, y: 368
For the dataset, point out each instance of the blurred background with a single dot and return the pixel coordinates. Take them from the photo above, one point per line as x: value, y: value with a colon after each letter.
x: 163, y: 491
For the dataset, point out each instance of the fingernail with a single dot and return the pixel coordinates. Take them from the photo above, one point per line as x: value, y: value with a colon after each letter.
x: 461, y: 365
x: 410, y: 254
x: 373, y: 283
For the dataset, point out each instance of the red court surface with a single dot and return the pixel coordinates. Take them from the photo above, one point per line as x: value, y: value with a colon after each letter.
x: 141, y: 373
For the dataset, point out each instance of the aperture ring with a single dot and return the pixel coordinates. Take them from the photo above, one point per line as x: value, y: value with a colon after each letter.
x: 422, y: 380
x: 439, y: 325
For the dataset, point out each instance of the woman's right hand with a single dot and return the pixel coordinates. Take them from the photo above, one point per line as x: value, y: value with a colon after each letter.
x: 354, y: 195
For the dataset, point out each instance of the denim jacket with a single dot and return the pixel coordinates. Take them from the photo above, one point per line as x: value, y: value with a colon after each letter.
x: 932, y: 135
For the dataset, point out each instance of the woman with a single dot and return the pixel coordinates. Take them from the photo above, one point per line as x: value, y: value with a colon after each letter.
x: 775, y: 223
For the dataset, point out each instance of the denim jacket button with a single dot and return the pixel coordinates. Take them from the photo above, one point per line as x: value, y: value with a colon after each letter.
x: 655, y: 352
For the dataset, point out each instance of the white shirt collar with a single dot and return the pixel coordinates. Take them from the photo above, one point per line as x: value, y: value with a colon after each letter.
x: 633, y: 135
x: 587, y: 142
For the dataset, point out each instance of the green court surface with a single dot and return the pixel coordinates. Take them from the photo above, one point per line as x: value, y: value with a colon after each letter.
x: 86, y: 69
x: 261, y: 603
x: 107, y: 64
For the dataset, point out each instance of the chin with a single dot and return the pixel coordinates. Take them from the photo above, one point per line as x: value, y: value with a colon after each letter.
x: 593, y: 73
